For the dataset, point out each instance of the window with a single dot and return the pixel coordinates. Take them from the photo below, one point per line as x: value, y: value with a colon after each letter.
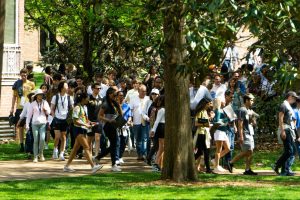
x: 10, y: 22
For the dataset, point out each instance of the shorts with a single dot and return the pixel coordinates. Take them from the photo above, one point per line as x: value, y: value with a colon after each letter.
x: 95, y: 129
x: 220, y: 136
x: 17, y: 117
x: 160, y: 131
x: 60, y: 124
x: 78, y: 130
x: 248, y: 143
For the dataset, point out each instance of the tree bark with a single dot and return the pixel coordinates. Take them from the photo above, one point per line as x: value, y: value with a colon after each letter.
x: 2, y: 25
x: 179, y: 162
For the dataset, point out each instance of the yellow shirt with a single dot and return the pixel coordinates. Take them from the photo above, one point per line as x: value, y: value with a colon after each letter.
x: 28, y: 86
x: 201, y: 115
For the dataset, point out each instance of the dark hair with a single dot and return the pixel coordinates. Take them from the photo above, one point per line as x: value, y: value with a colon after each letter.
x: 24, y: 71
x: 80, y: 96
x: 72, y: 84
x: 161, y: 99
x: 201, y: 105
x: 227, y: 93
x: 57, y: 77
x: 109, y: 91
x: 78, y: 77
x: 29, y: 67
x: 48, y: 70
x: 44, y: 84
x: 94, y: 85
x: 61, y: 85
x: 30, y: 76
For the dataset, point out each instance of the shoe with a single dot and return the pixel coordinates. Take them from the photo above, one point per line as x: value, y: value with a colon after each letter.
x: 275, y: 169
x: 96, y: 160
x: 229, y: 167
x: 209, y: 171
x: 42, y: 158
x: 250, y: 172
x: 219, y: 169
x: 68, y: 169
x: 118, y: 162
x: 35, y: 160
x: 46, y: 147
x: 61, y: 157
x: 148, y: 162
x: 96, y: 168
x: 290, y: 174
x: 121, y: 161
x: 116, y: 168
x: 55, y: 154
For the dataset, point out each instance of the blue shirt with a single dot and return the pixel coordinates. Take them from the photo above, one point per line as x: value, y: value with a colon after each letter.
x: 297, y: 114
x: 126, y: 111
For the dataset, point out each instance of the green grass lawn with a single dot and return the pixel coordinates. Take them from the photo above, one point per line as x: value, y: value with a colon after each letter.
x: 148, y: 186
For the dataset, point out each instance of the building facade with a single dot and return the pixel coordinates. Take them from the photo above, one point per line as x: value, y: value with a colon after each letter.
x: 20, y: 45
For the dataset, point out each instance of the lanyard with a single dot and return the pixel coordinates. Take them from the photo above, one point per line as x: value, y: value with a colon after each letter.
x: 39, y: 106
x: 63, y: 101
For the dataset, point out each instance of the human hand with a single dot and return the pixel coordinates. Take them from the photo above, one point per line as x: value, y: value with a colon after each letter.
x: 241, y: 140
x: 152, y: 133
x: 283, y: 135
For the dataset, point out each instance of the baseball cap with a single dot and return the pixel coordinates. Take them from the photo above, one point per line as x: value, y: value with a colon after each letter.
x: 292, y: 94
x: 155, y: 91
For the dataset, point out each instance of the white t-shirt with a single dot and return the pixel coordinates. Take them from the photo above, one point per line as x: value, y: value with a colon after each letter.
x: 62, y: 109
x: 201, y: 93
x: 137, y: 106
x: 218, y: 91
x: 130, y: 94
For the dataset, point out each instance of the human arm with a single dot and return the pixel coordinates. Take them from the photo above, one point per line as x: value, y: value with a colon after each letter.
x: 241, y: 131
x: 281, y: 125
x: 29, y: 115
x: 159, y: 118
x: 101, y: 116
x: 14, y: 98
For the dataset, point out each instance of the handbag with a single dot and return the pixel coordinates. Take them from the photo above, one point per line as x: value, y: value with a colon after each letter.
x: 120, y: 122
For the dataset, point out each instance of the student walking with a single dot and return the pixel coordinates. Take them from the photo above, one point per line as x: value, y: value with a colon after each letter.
x: 37, y: 113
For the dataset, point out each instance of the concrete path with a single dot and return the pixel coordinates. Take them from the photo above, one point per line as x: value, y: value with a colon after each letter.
x: 26, y: 169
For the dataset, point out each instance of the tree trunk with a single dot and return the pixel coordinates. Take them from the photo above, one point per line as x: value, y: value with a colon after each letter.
x: 179, y: 162
x: 2, y: 25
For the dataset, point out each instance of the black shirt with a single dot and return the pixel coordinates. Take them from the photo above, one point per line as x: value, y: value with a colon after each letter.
x: 285, y: 111
x: 93, y: 107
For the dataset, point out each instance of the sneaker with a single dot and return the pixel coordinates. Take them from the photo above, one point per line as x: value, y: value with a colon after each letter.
x: 46, y: 147
x: 61, y: 157
x: 117, y: 162
x: 55, y: 154
x: 35, y: 160
x: 68, y: 169
x: 116, y: 168
x: 229, y: 167
x: 121, y: 161
x: 249, y: 172
x: 275, y: 169
x: 219, y: 169
x: 96, y: 168
x: 42, y: 158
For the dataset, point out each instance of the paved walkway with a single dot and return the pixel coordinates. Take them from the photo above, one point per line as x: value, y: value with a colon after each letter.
x: 25, y: 169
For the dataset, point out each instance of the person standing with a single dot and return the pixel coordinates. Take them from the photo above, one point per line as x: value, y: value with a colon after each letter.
x: 246, y: 132
x: 37, y: 115
x: 21, y: 89
x: 287, y: 134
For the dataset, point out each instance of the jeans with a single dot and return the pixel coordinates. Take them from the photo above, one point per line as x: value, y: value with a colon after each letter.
x: 39, y: 132
x: 289, y: 150
x: 298, y: 148
x: 121, y: 146
x: 141, y: 133
x: 231, y: 136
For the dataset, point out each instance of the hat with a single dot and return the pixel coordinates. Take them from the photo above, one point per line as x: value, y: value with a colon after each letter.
x: 249, y: 96
x: 292, y: 94
x: 30, y: 94
x: 155, y: 91
x: 37, y: 92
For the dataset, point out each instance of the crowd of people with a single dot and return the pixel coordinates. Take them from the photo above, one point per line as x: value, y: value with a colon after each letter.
x: 112, y: 114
